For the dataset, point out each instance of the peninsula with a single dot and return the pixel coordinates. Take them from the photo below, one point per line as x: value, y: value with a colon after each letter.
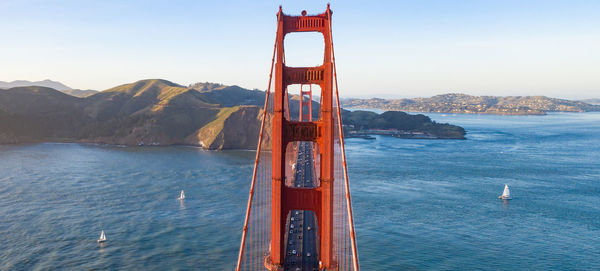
x: 398, y: 124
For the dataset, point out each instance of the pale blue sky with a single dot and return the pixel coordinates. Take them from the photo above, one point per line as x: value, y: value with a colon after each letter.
x: 383, y: 48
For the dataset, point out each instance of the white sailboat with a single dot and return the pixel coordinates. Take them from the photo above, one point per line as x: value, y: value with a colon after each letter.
x: 102, y: 237
x: 181, y: 195
x: 505, y: 193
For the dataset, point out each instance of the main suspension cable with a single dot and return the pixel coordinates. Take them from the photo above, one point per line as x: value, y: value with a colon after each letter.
x: 258, y: 148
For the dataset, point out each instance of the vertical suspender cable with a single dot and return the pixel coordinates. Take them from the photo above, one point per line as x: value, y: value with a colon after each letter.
x: 262, y: 126
x: 343, y: 150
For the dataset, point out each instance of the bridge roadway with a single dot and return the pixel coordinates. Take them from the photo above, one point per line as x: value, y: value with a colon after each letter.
x: 301, y: 249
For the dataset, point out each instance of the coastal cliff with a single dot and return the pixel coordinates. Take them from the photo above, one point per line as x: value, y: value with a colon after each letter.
x: 234, y: 128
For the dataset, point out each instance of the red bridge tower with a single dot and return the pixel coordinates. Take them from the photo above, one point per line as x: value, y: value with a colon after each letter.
x: 321, y: 162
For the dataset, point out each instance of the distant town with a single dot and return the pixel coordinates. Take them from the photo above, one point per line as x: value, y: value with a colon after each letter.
x: 462, y: 103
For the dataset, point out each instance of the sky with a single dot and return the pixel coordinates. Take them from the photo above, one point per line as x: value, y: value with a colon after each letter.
x: 389, y: 49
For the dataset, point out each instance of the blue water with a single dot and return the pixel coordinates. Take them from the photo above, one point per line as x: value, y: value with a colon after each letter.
x: 419, y: 204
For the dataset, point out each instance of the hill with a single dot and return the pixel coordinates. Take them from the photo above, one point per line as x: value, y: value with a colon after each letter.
x: 81, y: 93
x: 234, y: 128
x: 49, y: 84
x: 147, y: 112
x: 155, y: 112
x: 592, y: 101
x: 398, y: 124
x: 24, y: 83
x: 35, y: 113
x: 462, y: 103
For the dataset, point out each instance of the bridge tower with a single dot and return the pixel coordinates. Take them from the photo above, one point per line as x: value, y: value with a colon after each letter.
x: 300, y: 165
x: 318, y: 199
x: 305, y: 104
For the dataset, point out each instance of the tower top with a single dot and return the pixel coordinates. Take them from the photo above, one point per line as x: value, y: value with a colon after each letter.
x: 304, y: 12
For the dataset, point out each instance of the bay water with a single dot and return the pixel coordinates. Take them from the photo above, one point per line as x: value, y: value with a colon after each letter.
x: 418, y: 204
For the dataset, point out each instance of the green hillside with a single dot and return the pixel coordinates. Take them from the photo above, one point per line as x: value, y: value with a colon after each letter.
x: 34, y: 113
x: 155, y: 111
x: 160, y: 112
x: 234, y: 128
x: 363, y: 121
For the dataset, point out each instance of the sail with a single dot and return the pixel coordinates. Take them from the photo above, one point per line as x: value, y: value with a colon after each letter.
x: 506, y: 193
x: 102, y: 236
x: 182, y: 195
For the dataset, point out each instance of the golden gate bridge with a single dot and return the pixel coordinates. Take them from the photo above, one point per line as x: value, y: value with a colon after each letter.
x: 299, y: 213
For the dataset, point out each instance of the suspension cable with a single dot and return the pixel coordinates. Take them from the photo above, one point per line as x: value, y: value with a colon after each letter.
x: 343, y: 150
x: 258, y: 148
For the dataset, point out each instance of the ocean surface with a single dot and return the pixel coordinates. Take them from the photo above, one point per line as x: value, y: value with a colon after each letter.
x: 418, y: 204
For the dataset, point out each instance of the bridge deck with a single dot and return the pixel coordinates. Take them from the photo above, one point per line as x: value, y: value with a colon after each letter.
x: 301, y: 249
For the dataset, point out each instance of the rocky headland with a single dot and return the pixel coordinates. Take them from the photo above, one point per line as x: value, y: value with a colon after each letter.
x: 399, y: 124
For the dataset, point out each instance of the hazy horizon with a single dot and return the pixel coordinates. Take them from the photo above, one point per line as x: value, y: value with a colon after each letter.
x: 366, y: 96
x: 389, y: 49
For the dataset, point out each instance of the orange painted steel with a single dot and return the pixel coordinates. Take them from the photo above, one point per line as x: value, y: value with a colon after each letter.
x: 283, y: 198
x: 304, y: 103
x: 258, y: 149
x: 272, y: 193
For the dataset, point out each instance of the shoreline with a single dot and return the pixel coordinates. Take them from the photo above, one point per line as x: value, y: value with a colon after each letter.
x: 24, y: 143
x: 546, y: 113
x: 400, y: 134
x: 361, y: 135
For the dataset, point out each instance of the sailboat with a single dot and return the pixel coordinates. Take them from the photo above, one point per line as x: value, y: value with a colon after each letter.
x: 181, y: 195
x: 505, y: 193
x: 102, y: 237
